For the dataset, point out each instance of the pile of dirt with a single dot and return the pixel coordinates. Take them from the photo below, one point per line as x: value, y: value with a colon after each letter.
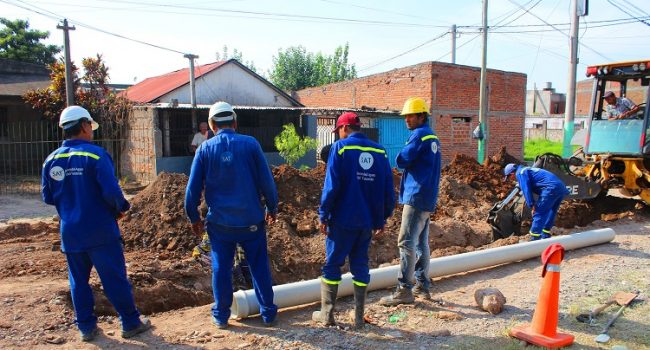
x: 21, y: 230
x: 157, y: 220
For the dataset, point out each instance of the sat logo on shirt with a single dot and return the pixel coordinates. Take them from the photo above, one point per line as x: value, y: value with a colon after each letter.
x: 226, y: 157
x: 57, y: 173
x: 434, y: 147
x: 366, y: 160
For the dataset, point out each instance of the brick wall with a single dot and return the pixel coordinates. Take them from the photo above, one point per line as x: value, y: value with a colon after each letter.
x: 139, y: 162
x: 451, y: 90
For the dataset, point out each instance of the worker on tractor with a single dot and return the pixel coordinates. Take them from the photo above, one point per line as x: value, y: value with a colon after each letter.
x: 235, y: 175
x: 79, y: 179
x: 420, y: 159
x: 550, y: 191
x: 619, y: 107
x: 358, y: 197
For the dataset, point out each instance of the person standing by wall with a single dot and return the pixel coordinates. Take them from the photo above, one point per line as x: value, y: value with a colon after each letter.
x: 420, y: 159
x: 357, y: 198
x: 78, y: 178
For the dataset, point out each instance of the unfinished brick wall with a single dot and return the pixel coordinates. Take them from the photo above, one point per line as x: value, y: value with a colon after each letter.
x: 451, y: 90
x: 139, y: 160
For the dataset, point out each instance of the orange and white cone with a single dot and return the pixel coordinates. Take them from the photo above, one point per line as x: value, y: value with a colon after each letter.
x: 543, y: 330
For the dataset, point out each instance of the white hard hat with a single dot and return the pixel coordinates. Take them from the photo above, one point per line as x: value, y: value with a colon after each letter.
x: 71, y: 115
x: 222, y: 112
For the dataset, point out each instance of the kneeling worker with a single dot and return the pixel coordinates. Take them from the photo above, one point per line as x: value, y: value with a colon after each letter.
x: 551, y: 191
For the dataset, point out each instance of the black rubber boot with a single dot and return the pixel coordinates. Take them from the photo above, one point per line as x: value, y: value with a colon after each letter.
x: 359, y: 306
x: 328, y: 300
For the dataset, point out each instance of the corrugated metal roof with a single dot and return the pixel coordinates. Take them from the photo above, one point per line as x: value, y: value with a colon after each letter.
x: 315, y: 110
x: 19, y: 84
x: 152, y: 88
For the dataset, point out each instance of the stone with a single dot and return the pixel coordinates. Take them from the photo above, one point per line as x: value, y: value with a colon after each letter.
x: 54, y: 339
x: 448, y: 315
x: 111, y: 333
x: 490, y: 300
x: 440, y: 333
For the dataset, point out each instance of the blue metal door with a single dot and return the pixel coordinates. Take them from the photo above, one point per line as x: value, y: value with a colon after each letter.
x: 393, y: 135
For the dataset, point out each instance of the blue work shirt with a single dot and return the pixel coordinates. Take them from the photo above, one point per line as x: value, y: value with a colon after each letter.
x: 420, y: 159
x: 540, y: 182
x: 78, y: 178
x: 358, y: 191
x: 232, y: 169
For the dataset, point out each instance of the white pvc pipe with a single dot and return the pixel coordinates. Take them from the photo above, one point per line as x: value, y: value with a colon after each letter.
x: 304, y: 292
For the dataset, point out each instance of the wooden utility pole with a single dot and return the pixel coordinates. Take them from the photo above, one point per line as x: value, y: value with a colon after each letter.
x: 69, y: 86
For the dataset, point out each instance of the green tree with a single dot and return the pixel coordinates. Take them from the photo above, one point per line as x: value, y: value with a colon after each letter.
x: 102, y: 102
x: 18, y: 42
x: 224, y: 55
x: 291, y: 146
x: 295, y: 68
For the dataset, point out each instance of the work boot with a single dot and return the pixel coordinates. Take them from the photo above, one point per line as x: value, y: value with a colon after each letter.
x: 401, y: 296
x: 328, y: 300
x: 144, y: 325
x: 89, y: 336
x: 421, y: 291
x: 535, y: 236
x: 359, y: 305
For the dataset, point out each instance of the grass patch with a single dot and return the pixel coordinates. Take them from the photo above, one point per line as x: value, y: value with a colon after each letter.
x: 533, y: 148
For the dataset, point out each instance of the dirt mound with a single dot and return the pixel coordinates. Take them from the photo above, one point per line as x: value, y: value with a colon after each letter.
x: 606, y: 208
x: 157, y: 219
x: 27, y: 229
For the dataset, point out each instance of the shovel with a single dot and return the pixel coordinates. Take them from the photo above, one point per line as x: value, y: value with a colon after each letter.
x: 590, y: 318
x: 624, y: 299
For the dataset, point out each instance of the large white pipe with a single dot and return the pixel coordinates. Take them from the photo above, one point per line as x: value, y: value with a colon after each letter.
x: 304, y: 292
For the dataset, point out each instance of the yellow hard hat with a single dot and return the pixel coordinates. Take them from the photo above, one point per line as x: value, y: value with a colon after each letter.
x: 414, y: 105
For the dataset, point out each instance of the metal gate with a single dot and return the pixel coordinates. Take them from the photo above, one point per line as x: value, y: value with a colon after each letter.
x: 393, y: 134
x: 25, y: 145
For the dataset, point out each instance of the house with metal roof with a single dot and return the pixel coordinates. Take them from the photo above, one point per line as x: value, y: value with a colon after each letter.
x: 163, y: 121
x: 228, y: 81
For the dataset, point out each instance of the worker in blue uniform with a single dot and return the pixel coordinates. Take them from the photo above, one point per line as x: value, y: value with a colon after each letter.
x: 232, y: 170
x: 550, y: 191
x: 358, y: 197
x: 78, y: 178
x: 420, y: 159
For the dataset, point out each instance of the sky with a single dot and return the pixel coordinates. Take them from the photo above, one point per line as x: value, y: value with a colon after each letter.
x: 527, y: 36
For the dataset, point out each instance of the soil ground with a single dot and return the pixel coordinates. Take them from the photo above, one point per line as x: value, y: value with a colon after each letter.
x: 175, y: 290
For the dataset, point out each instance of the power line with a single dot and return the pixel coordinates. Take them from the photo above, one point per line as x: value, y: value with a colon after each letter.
x: 275, y: 14
x: 404, y: 53
x: 409, y: 15
x: 81, y: 24
x: 626, y: 12
x: 636, y: 7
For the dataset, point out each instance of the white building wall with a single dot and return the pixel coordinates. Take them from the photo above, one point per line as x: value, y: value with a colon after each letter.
x: 231, y: 84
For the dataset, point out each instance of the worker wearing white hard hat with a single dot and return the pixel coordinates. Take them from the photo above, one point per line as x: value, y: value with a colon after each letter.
x: 78, y: 178
x: 233, y: 171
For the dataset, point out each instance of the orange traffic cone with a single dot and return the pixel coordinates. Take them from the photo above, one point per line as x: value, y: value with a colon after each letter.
x: 543, y: 330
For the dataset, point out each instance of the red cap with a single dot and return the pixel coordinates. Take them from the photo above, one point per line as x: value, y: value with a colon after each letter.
x: 347, y: 118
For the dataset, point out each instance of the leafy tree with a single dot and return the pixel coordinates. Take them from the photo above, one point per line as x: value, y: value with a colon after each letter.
x: 295, y: 68
x: 291, y: 146
x: 224, y: 56
x: 102, y: 102
x: 18, y: 42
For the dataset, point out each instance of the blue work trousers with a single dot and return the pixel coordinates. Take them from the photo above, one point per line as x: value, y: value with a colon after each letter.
x: 224, y: 246
x: 108, y: 260
x: 341, y: 243
x: 413, y: 244
x: 545, y: 211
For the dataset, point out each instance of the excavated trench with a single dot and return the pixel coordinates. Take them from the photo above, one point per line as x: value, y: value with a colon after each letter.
x: 158, y: 238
